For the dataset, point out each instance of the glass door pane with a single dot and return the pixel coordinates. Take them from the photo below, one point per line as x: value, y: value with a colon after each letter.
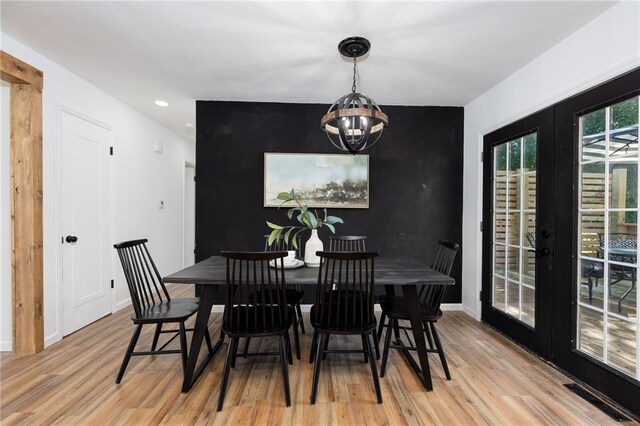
x: 514, y: 228
x: 607, y: 324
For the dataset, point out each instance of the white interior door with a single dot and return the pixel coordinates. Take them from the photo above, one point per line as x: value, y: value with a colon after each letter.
x: 189, y: 214
x: 86, y: 222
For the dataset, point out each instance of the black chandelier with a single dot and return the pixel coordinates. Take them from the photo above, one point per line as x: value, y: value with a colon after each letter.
x: 354, y: 122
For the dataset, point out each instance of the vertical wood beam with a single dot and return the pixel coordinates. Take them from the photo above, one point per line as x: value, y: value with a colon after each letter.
x: 26, y: 203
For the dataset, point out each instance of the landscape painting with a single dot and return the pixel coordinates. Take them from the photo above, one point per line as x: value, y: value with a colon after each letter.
x: 322, y: 180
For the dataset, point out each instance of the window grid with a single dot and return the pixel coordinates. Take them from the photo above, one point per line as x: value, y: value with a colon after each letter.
x: 520, y: 175
x: 585, y: 307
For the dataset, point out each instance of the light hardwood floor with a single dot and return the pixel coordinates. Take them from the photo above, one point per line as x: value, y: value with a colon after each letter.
x: 494, y: 382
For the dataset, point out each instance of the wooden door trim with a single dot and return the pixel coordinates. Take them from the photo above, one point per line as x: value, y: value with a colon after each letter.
x: 26, y: 203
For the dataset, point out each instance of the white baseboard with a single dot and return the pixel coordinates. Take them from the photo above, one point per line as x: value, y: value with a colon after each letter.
x: 451, y: 307
x: 6, y: 346
x: 470, y: 312
x: 122, y: 304
x: 51, y: 339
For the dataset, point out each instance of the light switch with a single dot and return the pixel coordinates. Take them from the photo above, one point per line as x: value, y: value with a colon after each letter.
x: 159, y: 146
x: 161, y: 204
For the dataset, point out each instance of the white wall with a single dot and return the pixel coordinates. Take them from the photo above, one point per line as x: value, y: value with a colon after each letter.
x: 141, y: 178
x: 5, y: 219
x: 602, y: 49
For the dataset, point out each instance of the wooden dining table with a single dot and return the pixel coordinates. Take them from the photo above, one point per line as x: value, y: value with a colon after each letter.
x: 405, y: 272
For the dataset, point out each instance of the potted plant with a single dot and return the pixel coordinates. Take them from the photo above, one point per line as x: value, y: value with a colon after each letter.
x: 307, y: 220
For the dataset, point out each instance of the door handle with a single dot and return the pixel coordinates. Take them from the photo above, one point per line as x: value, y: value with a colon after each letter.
x: 543, y: 252
x: 71, y: 239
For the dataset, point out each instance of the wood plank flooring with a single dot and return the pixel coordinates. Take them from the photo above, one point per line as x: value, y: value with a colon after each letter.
x: 494, y: 382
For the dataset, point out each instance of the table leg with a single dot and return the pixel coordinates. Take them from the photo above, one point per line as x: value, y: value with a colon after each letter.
x: 413, y: 307
x: 191, y: 374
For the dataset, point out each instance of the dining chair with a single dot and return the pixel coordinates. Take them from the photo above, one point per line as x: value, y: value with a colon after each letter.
x: 294, y: 295
x: 256, y: 305
x: 347, y: 243
x: 430, y: 298
x: 623, y: 247
x: 344, y: 305
x: 342, y: 243
x: 152, y: 303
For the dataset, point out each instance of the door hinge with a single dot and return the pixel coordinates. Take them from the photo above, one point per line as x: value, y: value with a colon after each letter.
x: 481, y: 226
x: 482, y: 156
x: 194, y: 178
x: 111, y: 283
x: 110, y: 150
x: 481, y: 295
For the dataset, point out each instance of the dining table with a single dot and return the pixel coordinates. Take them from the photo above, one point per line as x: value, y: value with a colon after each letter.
x: 390, y: 272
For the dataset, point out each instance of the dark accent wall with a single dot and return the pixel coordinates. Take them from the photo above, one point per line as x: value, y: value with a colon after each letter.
x: 415, y: 178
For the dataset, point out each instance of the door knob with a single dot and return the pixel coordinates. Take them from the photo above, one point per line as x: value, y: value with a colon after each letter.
x: 542, y: 252
x: 71, y: 239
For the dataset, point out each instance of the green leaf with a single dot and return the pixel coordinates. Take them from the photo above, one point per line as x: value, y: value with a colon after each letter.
x: 325, y: 215
x: 332, y: 220
x: 274, y: 235
x: 273, y: 225
x: 331, y: 227
x: 290, y: 212
x: 284, y: 196
x: 312, y: 220
x: 295, y: 238
x: 286, y: 236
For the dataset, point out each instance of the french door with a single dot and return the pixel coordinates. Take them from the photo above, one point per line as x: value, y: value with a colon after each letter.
x: 597, y: 239
x: 560, y: 241
x: 518, y: 230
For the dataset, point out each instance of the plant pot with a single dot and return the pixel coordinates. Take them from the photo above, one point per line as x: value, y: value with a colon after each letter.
x: 313, y: 245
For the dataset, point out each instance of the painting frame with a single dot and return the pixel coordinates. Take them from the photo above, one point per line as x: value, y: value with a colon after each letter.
x: 311, y: 174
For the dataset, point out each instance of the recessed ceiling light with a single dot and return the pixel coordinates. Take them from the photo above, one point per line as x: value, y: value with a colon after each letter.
x: 162, y: 103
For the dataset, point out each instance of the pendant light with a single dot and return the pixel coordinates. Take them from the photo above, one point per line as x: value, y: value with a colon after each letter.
x: 354, y: 122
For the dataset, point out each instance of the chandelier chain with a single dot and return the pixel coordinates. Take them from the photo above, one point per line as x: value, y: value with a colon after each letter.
x: 353, y: 87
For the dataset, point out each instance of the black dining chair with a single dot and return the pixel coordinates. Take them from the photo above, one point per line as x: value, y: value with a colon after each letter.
x: 430, y: 297
x: 344, y: 305
x: 152, y: 303
x: 294, y: 295
x: 347, y: 243
x: 256, y: 305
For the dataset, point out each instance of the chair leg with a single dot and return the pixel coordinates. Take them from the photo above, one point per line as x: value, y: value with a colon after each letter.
x: 326, y: 346
x: 156, y: 336
x: 127, y: 354
x: 443, y: 360
x: 246, y: 346
x: 183, y: 345
x: 285, y: 370
x: 376, y: 344
x: 296, y: 340
x: 231, y: 350
x: 300, y: 318
x: 383, y: 316
x: 314, y: 344
x: 234, y: 355
x: 428, y: 333
x: 385, y: 351
x: 207, y: 338
x: 288, y: 347
x: 316, y: 368
x: 374, y: 368
x: 364, y: 348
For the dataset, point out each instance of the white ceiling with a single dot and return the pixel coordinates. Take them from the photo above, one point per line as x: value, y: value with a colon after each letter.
x: 423, y: 53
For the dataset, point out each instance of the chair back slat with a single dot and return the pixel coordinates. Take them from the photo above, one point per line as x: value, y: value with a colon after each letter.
x: 347, y: 243
x: 431, y: 295
x: 345, y: 290
x: 144, y: 281
x: 256, y: 300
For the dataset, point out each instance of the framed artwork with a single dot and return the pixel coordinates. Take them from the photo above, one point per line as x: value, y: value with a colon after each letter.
x: 322, y: 180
